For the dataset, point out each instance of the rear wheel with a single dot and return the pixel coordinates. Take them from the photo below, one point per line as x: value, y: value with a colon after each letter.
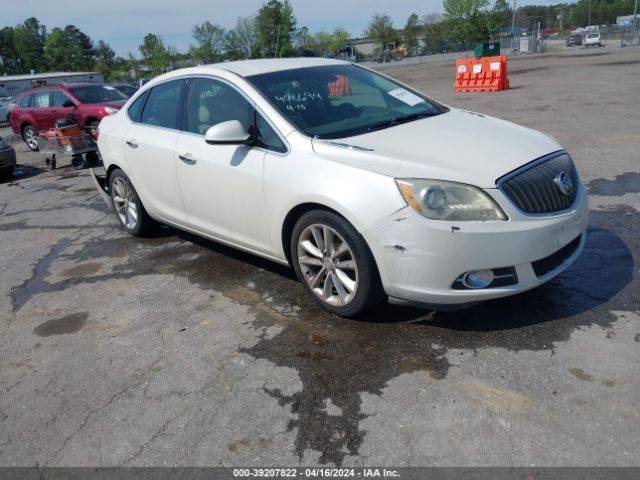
x: 30, y: 137
x: 334, y: 263
x: 129, y: 209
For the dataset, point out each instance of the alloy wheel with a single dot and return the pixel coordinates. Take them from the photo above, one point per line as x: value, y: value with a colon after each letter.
x: 30, y: 138
x: 328, y: 264
x: 124, y: 203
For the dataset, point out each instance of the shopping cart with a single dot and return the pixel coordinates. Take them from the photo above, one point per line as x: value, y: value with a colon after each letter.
x: 67, y: 139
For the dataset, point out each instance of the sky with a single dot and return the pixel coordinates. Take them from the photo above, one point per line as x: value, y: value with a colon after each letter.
x: 123, y: 23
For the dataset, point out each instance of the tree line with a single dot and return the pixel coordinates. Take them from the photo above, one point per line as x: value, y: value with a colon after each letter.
x: 273, y: 32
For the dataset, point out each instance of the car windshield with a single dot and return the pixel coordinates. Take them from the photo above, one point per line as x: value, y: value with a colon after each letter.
x: 338, y: 101
x: 96, y: 93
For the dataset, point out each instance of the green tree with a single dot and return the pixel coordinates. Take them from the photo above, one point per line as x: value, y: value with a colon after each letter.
x: 104, y: 58
x: 467, y: 19
x: 29, y: 39
x: 499, y: 17
x: 245, y: 31
x: 434, y: 32
x: 210, y: 41
x: 56, y: 51
x: 9, y: 61
x: 155, y: 53
x: 232, y: 48
x: 80, y: 48
x: 275, y: 26
x: 381, y: 30
x: 411, y: 32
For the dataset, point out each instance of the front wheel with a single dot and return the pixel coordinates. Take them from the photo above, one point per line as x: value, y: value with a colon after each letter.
x: 129, y: 209
x: 335, y: 264
x: 30, y: 137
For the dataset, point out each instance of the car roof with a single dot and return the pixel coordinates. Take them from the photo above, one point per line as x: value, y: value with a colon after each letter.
x: 246, y: 68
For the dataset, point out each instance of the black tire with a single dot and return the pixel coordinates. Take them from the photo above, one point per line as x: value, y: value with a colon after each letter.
x: 29, y: 133
x: 144, y: 225
x: 78, y: 162
x: 398, y: 56
x: 92, y: 158
x: 369, y: 291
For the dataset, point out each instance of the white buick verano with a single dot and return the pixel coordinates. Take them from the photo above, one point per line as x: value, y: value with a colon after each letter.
x: 368, y: 188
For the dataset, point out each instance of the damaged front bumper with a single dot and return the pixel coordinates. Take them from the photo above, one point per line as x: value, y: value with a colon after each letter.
x: 99, y: 175
x: 422, y: 262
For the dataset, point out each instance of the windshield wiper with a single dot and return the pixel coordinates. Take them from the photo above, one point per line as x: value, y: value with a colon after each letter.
x: 398, y: 120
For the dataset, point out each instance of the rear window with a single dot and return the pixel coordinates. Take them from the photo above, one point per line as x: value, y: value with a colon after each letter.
x: 593, y: 35
x: 97, y: 93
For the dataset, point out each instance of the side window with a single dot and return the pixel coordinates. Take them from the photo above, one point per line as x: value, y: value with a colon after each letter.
x: 135, y: 109
x: 212, y: 102
x: 161, y: 109
x: 25, y: 101
x: 58, y: 98
x: 41, y: 99
x: 267, y: 136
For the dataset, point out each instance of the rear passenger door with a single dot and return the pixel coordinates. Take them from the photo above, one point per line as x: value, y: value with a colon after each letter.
x: 149, y: 146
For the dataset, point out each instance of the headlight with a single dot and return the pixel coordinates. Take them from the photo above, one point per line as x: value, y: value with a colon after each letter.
x: 110, y: 110
x: 456, y: 202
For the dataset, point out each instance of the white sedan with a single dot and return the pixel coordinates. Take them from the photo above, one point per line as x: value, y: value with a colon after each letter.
x: 369, y: 189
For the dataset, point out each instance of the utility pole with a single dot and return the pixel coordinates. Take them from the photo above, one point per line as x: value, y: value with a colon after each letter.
x: 513, y: 25
x: 277, y: 42
x: 589, y: 21
x: 635, y: 21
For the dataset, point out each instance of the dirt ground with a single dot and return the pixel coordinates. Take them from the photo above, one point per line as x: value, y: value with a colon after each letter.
x: 178, y: 351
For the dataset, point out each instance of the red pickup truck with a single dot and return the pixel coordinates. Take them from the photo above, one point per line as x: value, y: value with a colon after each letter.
x: 86, y: 103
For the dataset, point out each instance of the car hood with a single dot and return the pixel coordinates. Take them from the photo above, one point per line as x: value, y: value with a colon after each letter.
x: 458, y: 146
x: 113, y: 103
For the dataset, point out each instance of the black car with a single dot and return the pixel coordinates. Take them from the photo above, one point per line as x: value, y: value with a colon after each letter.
x: 7, y: 159
x: 575, y: 39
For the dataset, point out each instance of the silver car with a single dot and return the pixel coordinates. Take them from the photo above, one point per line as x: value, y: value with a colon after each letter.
x: 6, y: 105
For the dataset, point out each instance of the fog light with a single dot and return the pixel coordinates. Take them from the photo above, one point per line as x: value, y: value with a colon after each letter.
x: 477, y: 278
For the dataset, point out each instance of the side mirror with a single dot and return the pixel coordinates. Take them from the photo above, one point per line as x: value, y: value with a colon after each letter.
x: 69, y: 104
x: 230, y: 132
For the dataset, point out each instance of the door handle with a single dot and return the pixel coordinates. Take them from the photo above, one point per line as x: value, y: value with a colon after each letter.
x: 188, y: 159
x: 132, y: 143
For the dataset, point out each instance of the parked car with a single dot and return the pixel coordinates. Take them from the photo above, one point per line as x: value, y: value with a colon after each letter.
x: 574, y: 40
x: 592, y: 39
x: 7, y: 159
x: 125, y: 88
x: 368, y: 188
x: 38, y: 109
x: 6, y: 105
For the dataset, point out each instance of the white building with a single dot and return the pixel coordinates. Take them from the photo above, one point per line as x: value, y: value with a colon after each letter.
x: 13, y: 84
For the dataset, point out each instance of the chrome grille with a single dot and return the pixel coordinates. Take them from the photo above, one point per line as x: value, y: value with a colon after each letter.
x: 532, y: 188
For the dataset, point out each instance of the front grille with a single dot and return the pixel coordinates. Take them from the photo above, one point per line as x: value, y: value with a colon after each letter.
x: 532, y: 188
x: 553, y: 261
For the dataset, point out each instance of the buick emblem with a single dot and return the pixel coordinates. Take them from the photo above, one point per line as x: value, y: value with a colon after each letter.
x: 564, y: 183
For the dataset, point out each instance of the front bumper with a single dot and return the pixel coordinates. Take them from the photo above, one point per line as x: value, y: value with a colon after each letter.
x: 419, y: 259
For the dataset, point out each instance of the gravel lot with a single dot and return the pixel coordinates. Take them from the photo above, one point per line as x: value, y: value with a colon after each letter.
x: 178, y: 351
